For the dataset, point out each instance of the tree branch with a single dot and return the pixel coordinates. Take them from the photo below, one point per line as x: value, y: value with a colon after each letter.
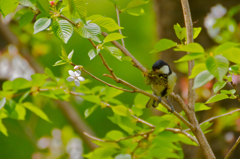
x: 207, y: 151
x: 233, y: 148
x: 119, y: 24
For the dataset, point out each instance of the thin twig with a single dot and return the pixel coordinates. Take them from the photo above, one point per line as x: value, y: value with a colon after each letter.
x: 235, y: 87
x: 233, y: 148
x: 127, y: 53
x: 215, y: 117
x: 119, y: 24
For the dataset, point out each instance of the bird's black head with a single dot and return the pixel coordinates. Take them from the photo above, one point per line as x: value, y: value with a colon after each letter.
x: 159, y: 64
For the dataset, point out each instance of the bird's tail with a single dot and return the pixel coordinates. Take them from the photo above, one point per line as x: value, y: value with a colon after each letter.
x: 152, y: 102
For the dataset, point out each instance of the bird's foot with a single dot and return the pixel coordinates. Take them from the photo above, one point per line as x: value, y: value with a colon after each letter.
x: 172, y: 109
x: 157, y: 102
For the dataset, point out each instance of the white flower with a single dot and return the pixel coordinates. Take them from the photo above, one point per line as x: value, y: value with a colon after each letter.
x: 75, y: 76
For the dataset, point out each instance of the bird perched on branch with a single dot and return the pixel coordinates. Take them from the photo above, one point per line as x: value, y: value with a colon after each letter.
x: 162, y: 80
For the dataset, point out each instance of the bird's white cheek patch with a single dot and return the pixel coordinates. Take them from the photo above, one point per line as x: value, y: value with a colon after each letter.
x: 165, y: 70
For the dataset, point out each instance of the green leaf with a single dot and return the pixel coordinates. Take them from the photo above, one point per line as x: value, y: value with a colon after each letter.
x: 24, y: 96
x: 126, y: 58
x: 114, y: 135
x: 134, y: 3
x: 41, y: 24
x: 112, y: 92
x: 70, y: 55
x: 225, y: 46
x: 180, y: 32
x: 35, y: 110
x: 218, y: 66
x: 218, y: 85
x: 27, y: 3
x: 18, y: 113
x: 64, y: 55
x: 89, y: 111
x: 89, y: 30
x: 26, y: 18
x: 8, y: 6
x: 49, y: 73
x: 163, y: 44
x: 113, y: 37
x: 7, y: 85
x: 121, y: 110
x: 43, y: 6
x: 39, y: 79
x: 123, y: 156
x: 137, y: 11
x: 21, y: 83
x: 196, y: 32
x: 202, y: 78
x: 232, y: 55
x: 3, y: 129
x: 114, y: 52
x: 197, y: 69
x: 62, y: 29
x: 92, y: 53
x: 200, y: 107
x: 105, y: 22
x: 2, y: 102
x: 192, y: 47
x: 137, y: 111
x: 60, y: 62
x: 92, y: 98
x: 140, y: 101
x: 217, y: 97
x: 191, y: 56
x: 205, y: 126
x: 160, y: 127
x: 232, y: 91
x: 81, y: 8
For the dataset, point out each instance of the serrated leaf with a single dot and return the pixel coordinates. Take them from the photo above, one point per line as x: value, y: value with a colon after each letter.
x: 114, y: 52
x: 43, y: 6
x: 225, y: 46
x: 81, y: 8
x: 160, y: 127
x: 197, y: 69
x: 120, y: 110
x: 41, y: 24
x: 192, y: 47
x: 26, y: 18
x: 89, y: 111
x: 2, y: 102
x: 89, y: 30
x: 218, y: 66
x: 202, y: 78
x: 8, y: 6
x: 105, y: 22
x: 200, y: 107
x: 196, y: 32
x: 36, y: 110
x: 191, y: 56
x: 60, y: 62
x: 113, y: 37
x: 62, y: 29
x: 217, y: 97
x: 218, y: 85
x: 112, y: 92
x: 163, y: 44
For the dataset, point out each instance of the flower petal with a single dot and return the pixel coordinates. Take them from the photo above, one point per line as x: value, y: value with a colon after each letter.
x: 70, y: 79
x: 71, y: 73
x: 81, y: 78
x: 77, y: 83
x: 78, y: 73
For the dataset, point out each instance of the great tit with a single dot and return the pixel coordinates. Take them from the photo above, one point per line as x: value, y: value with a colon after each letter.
x: 164, y: 73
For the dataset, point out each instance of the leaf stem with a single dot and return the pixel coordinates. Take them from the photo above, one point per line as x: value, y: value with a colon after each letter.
x: 119, y: 24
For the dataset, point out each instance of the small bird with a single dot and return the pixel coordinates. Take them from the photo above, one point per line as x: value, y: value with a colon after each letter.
x: 159, y: 89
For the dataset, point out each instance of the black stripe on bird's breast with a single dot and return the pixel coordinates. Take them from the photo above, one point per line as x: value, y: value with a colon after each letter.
x: 164, y: 92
